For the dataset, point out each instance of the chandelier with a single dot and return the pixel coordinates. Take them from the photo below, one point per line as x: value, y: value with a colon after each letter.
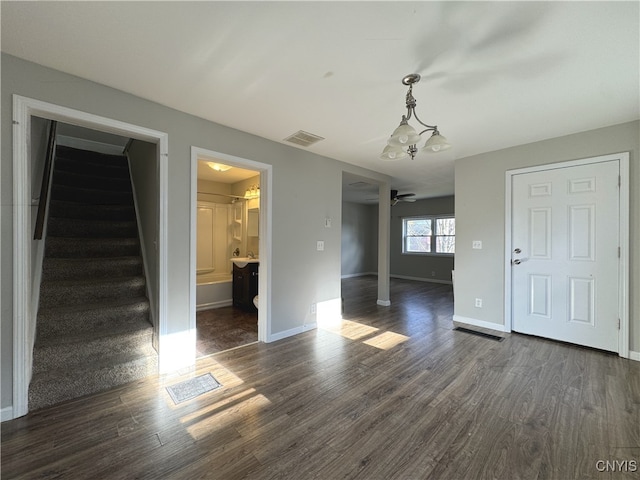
x: 404, y: 138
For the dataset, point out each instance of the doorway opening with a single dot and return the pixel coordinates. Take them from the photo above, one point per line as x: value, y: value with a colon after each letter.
x: 365, y: 230
x: 229, y: 251
x: 24, y: 109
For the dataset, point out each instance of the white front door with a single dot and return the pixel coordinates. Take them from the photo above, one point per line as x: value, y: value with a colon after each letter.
x: 565, y: 239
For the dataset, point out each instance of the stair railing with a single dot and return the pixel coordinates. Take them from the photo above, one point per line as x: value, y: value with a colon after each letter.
x: 46, y: 181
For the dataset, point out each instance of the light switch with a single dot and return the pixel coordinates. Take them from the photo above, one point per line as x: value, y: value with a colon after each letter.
x: 477, y: 244
x: 327, y: 222
x: 320, y: 245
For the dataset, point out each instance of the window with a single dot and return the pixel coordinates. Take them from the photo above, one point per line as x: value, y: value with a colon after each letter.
x: 429, y: 234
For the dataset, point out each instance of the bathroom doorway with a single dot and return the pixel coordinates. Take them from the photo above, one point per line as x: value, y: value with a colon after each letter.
x: 227, y: 255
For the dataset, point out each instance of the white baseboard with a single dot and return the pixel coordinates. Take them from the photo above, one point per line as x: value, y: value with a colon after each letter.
x: 212, y: 305
x: 422, y: 279
x: 363, y: 274
x: 634, y: 355
x: 291, y: 332
x: 479, y: 323
x: 6, y: 414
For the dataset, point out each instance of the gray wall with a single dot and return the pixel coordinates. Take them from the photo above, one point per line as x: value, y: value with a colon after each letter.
x: 428, y: 267
x: 299, y: 207
x: 480, y: 215
x: 144, y: 176
x: 359, y: 239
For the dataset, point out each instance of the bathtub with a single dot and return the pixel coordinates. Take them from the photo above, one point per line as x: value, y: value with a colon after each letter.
x: 213, y: 290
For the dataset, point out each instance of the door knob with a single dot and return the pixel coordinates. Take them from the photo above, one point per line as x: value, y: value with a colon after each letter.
x: 517, y: 261
x: 517, y: 250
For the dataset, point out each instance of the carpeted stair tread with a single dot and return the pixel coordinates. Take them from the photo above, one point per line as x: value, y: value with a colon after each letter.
x: 62, y: 247
x: 86, y: 180
x: 63, y: 323
x: 81, y: 268
x: 90, y: 195
x: 54, y: 387
x: 69, y: 227
x: 62, y: 209
x: 105, y: 350
x: 73, y: 292
x: 109, y: 170
x: 86, y: 156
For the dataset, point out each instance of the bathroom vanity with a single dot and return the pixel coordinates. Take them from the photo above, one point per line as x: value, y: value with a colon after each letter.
x: 245, y: 282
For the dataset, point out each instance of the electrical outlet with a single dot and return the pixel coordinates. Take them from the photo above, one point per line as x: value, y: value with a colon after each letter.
x: 312, y: 309
x: 320, y: 245
x: 478, y: 302
x: 477, y: 245
x: 433, y: 274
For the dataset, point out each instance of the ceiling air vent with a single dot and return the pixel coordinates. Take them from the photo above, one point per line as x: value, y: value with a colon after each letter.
x: 303, y: 138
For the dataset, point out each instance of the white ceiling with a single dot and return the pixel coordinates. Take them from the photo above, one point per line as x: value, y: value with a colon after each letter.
x: 233, y: 175
x: 494, y: 75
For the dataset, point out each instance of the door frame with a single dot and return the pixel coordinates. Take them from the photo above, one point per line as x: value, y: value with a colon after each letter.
x: 23, y: 317
x: 265, y: 228
x: 623, y: 222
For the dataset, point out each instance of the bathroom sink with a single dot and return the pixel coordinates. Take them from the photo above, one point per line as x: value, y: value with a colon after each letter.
x: 244, y: 261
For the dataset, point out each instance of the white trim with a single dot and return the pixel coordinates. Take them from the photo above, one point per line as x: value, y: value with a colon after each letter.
x: 23, y: 317
x: 265, y: 225
x: 623, y: 262
x: 623, y: 279
x: 422, y: 279
x: 6, y: 414
x: 353, y: 275
x: 383, y: 303
x: 212, y: 305
x: 291, y: 332
x: 479, y: 323
x: 634, y: 355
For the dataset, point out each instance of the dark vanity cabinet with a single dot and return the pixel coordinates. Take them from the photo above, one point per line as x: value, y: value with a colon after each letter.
x: 245, y: 286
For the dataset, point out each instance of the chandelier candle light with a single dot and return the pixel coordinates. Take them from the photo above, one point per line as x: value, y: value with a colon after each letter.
x: 404, y: 138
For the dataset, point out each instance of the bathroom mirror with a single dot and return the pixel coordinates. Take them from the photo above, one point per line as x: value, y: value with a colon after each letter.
x: 253, y: 222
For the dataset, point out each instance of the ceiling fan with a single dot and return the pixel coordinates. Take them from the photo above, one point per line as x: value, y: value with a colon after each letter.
x: 404, y: 197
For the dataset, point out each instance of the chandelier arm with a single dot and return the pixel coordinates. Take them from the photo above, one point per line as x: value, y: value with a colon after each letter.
x: 429, y: 127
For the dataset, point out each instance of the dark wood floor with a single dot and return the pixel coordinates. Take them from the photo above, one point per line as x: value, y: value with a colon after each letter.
x: 391, y: 393
x: 224, y: 328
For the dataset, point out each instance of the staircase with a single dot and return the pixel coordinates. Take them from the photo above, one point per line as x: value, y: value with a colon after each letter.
x: 93, y: 330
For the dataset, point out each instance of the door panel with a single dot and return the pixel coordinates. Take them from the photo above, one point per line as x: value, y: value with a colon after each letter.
x: 565, y: 235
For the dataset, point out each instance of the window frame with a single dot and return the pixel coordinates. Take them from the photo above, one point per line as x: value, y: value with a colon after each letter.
x: 433, y: 237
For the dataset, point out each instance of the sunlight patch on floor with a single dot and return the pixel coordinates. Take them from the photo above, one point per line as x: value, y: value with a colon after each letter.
x: 359, y: 331
x: 349, y: 329
x: 206, y: 422
x: 219, y: 406
x: 386, y: 340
